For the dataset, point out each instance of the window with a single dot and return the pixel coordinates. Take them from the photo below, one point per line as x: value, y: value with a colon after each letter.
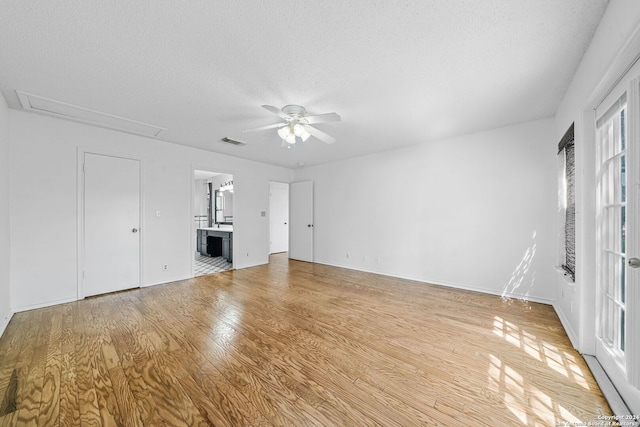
x: 566, y: 149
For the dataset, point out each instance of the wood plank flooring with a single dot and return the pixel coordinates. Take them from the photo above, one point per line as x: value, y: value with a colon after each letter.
x: 293, y: 344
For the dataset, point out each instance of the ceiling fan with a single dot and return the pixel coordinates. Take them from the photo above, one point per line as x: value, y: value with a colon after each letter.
x: 297, y: 124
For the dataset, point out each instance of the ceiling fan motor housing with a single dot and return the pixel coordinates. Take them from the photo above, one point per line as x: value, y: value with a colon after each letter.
x: 294, y: 111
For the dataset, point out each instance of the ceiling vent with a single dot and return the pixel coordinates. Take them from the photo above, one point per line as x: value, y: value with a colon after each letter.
x: 233, y: 141
x: 66, y: 111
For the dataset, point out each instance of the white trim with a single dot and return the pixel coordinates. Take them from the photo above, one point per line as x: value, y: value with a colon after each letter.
x: 585, y: 183
x: 81, y: 151
x: 44, y: 304
x: 5, y: 322
x: 521, y: 297
x: 610, y: 393
x: 618, y: 376
x: 566, y: 324
x: 633, y: 229
x: 615, y: 81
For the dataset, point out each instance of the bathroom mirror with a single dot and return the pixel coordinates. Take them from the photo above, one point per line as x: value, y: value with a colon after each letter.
x: 223, y: 207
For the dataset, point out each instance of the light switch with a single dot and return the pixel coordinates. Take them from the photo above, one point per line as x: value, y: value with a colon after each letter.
x: 157, y: 214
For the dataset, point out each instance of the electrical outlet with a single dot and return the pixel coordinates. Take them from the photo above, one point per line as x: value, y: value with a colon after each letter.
x: 165, y: 267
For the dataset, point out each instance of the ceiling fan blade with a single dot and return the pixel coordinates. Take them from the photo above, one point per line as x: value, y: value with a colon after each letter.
x: 321, y: 118
x: 328, y: 139
x: 277, y: 125
x: 276, y: 111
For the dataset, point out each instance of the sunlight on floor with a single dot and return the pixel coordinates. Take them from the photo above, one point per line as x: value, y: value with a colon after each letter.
x: 520, y: 393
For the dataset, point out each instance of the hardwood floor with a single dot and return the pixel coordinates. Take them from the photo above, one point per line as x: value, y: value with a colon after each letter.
x: 297, y: 344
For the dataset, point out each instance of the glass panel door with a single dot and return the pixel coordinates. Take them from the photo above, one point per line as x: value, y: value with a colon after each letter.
x: 617, y: 231
x: 612, y: 196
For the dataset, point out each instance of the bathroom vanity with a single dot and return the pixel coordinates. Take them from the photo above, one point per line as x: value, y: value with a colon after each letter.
x: 216, y: 241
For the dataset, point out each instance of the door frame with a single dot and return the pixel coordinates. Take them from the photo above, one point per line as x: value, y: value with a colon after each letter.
x: 623, y: 372
x: 192, y: 227
x: 81, y: 151
x: 586, y: 207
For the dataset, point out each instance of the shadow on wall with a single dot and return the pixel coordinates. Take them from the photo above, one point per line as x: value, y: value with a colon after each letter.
x: 523, y: 276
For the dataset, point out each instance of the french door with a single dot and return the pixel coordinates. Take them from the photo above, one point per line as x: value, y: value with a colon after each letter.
x: 618, y: 250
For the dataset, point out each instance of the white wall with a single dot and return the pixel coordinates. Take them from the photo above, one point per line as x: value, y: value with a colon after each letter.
x: 4, y: 216
x: 575, y: 303
x: 200, y: 197
x: 43, y: 209
x: 477, y: 211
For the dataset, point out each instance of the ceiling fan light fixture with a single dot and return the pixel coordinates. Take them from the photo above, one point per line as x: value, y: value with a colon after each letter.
x: 298, y: 129
x: 284, y: 132
x: 297, y: 124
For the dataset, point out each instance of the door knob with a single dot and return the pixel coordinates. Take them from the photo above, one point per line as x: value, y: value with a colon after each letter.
x: 309, y: 225
x: 135, y: 230
x: 634, y: 262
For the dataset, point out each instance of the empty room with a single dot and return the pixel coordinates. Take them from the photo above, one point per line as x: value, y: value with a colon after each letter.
x: 325, y: 213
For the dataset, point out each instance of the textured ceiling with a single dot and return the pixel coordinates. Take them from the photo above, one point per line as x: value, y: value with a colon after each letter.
x: 399, y: 72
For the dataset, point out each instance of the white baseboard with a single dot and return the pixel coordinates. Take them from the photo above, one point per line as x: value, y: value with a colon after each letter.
x: 5, y: 322
x: 448, y: 285
x: 567, y: 327
x: 44, y: 304
x: 615, y: 401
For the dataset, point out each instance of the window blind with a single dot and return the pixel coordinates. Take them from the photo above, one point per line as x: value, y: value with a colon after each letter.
x: 566, y: 145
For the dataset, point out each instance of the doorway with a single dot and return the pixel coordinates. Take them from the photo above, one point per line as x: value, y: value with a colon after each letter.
x: 212, y: 226
x: 278, y: 217
x: 110, y: 201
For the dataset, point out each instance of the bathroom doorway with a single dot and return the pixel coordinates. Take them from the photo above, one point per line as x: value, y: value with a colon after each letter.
x: 212, y: 228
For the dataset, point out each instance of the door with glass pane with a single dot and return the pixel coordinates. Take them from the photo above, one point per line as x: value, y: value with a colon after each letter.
x: 616, y: 233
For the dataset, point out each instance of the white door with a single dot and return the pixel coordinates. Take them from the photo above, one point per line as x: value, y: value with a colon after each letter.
x: 111, y: 224
x: 301, y: 221
x: 618, y: 245
x: 278, y: 217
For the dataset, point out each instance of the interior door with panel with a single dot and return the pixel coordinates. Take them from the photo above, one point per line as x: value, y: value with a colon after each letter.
x: 278, y: 217
x: 617, y: 243
x: 111, y: 243
x: 301, y: 221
